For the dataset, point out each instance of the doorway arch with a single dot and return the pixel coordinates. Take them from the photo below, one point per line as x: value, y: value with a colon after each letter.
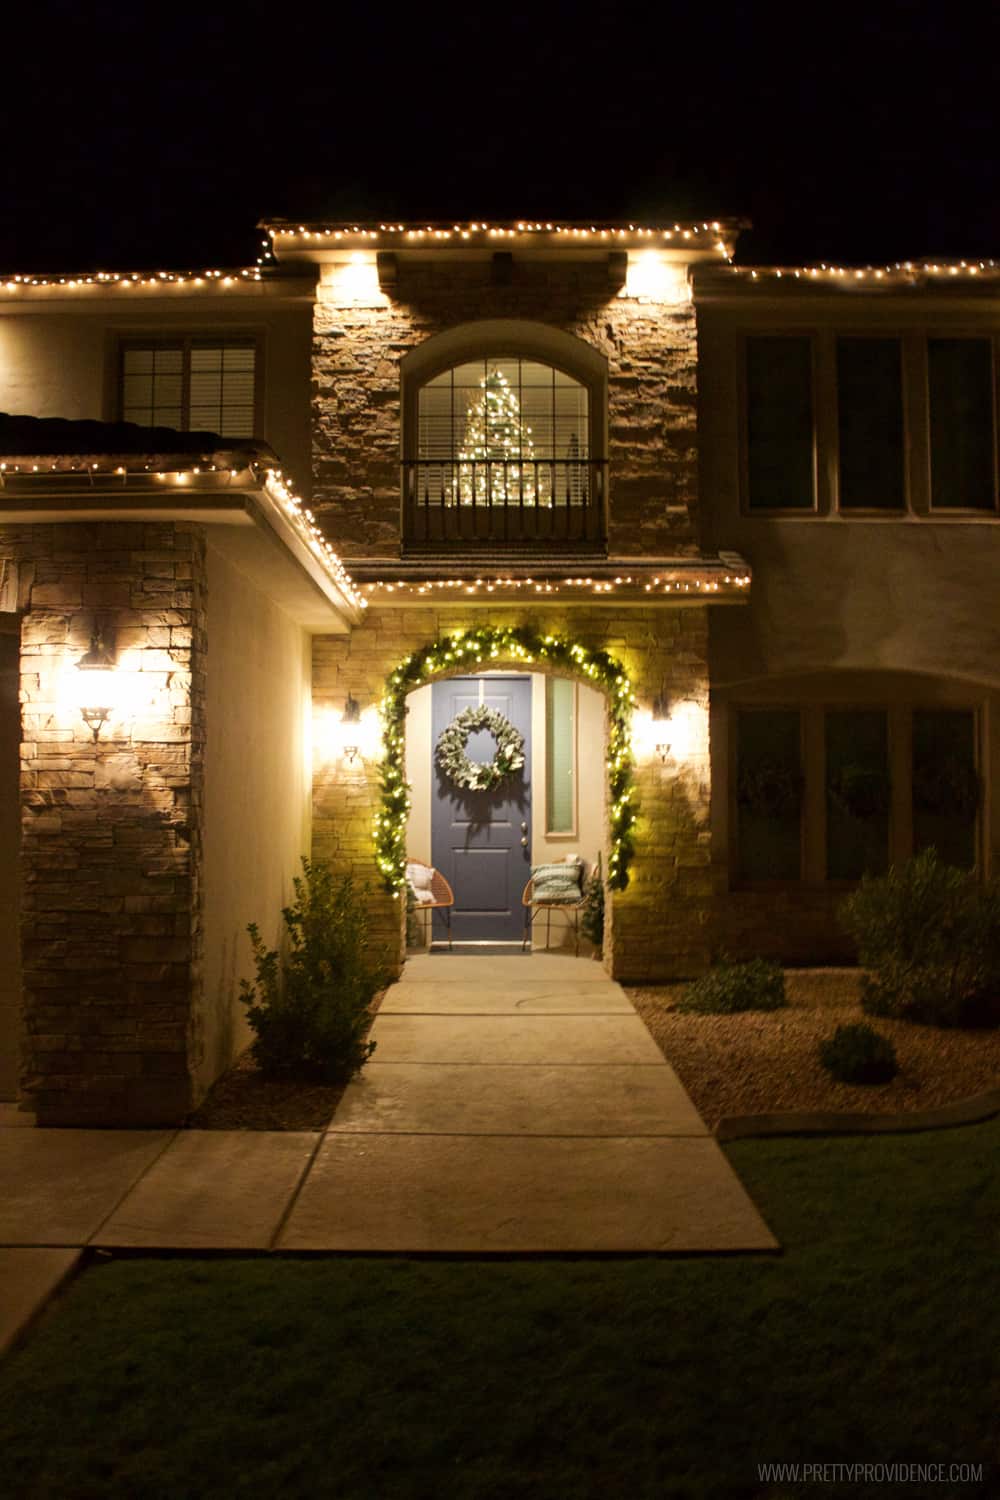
x: 498, y: 646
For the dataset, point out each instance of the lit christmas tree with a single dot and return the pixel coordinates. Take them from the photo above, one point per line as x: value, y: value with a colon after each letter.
x: 496, y: 459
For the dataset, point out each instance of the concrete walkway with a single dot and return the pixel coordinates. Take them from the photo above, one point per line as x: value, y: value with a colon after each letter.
x: 515, y: 1104
x: 518, y: 1105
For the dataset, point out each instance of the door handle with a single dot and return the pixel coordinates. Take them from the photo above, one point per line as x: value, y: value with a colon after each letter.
x: 524, y: 827
x: 524, y: 842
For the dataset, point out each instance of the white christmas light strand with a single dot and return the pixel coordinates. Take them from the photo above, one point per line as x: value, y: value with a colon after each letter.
x: 901, y: 270
x: 125, y: 281
x: 546, y: 586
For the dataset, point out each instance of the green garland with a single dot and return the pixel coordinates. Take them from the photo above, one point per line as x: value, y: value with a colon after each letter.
x: 473, y: 775
x: 495, y: 645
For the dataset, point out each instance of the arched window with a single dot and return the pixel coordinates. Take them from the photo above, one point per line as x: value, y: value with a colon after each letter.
x: 501, y: 448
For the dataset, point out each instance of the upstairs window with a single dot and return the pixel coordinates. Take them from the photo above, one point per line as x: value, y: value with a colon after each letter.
x: 501, y: 448
x: 780, y: 445
x: 870, y: 422
x: 510, y: 428
x: 960, y: 388
x: 193, y: 385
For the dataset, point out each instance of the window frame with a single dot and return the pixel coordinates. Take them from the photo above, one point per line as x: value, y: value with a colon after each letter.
x: 802, y: 512
x: 187, y: 340
x: 572, y: 833
x: 813, y: 820
x: 916, y: 421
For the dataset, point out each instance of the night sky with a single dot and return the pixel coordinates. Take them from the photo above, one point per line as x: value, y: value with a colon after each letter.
x: 846, y: 134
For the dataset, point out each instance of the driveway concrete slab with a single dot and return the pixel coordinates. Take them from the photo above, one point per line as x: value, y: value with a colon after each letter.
x: 475, y: 1194
x: 514, y: 1039
x: 28, y: 1278
x: 213, y: 1190
x: 538, y: 1100
x: 58, y: 1186
x: 539, y: 996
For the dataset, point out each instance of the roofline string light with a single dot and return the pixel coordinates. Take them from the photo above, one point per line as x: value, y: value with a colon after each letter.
x: 465, y: 649
x: 428, y: 587
x: 907, y: 272
x: 125, y: 281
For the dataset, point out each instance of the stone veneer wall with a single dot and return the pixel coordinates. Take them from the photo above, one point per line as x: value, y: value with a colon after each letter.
x: 659, y: 927
x: 111, y: 832
x: 651, y: 349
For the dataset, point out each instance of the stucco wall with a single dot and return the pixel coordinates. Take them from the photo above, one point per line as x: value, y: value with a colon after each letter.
x: 63, y: 362
x: 257, y: 791
x: 845, y: 609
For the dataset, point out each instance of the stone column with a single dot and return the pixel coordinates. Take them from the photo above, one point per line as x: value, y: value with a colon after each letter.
x: 111, y: 829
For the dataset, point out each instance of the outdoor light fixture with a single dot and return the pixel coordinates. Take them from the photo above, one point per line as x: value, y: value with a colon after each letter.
x: 660, y: 727
x: 350, y: 729
x: 96, y: 688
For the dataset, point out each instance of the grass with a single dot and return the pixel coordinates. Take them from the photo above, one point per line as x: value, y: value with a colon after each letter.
x: 872, y: 1339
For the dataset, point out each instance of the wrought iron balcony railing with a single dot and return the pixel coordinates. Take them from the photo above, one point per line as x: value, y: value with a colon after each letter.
x: 523, y: 502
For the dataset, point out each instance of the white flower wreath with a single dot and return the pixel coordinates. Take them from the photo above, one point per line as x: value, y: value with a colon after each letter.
x: 479, y: 776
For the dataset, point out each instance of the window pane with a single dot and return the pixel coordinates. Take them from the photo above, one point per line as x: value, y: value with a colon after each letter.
x: 960, y: 381
x: 780, y: 424
x: 769, y: 794
x: 216, y: 396
x: 870, y: 414
x: 857, y: 794
x: 560, y: 745
x: 503, y: 430
x: 945, y: 784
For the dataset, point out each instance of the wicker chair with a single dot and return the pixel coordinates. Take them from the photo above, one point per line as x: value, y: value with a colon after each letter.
x: 443, y: 900
x: 532, y: 909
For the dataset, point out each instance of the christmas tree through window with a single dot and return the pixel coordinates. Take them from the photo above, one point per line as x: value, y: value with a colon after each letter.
x: 504, y: 432
x: 496, y: 462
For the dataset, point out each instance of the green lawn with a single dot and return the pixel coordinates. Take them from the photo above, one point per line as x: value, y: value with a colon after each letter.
x: 874, y: 1338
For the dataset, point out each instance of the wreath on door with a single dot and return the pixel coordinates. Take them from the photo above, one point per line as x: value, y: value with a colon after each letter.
x: 472, y: 775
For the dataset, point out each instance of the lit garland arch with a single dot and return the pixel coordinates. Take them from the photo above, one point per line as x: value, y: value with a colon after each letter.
x: 495, y: 644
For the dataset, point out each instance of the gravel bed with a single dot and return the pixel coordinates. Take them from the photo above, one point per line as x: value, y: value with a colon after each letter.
x: 763, y: 1062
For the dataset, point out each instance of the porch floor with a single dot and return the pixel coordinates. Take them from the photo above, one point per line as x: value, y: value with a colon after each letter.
x: 514, y: 1105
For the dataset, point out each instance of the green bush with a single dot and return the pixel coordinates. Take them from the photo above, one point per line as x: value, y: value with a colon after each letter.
x: 930, y: 936
x: 859, y: 1054
x: 729, y: 987
x: 311, y: 1011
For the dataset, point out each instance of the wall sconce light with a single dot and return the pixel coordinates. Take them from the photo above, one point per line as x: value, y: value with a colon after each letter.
x: 660, y: 728
x: 350, y: 730
x: 97, y: 687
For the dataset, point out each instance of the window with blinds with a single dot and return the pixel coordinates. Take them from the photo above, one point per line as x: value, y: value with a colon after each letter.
x: 194, y: 385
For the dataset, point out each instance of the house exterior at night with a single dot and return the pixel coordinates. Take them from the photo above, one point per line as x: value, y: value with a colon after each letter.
x: 578, y: 476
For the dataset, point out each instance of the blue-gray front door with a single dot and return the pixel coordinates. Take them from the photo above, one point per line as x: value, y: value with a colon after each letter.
x: 481, y: 840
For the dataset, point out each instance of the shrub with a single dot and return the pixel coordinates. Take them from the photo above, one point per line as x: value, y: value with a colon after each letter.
x: 859, y: 1054
x: 930, y: 936
x: 729, y: 987
x: 310, y: 1012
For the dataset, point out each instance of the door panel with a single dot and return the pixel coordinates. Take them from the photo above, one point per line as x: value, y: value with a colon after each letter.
x: 476, y: 837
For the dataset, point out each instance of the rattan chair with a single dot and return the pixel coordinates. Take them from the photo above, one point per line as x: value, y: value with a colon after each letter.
x: 533, y: 908
x: 443, y: 900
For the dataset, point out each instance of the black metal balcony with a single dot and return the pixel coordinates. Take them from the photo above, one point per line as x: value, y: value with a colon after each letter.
x: 523, y: 503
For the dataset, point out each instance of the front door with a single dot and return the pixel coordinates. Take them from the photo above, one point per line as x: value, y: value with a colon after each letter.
x: 481, y: 841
